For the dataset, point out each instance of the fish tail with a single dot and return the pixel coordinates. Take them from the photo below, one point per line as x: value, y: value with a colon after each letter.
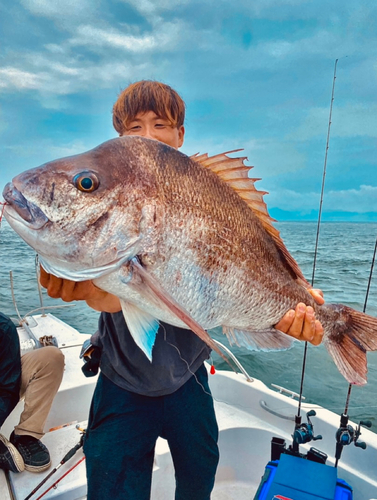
x: 349, y: 334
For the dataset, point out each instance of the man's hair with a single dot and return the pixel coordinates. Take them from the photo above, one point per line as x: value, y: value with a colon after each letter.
x: 144, y: 96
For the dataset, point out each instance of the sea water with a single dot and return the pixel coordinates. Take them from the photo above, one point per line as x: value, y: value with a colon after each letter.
x: 343, y: 266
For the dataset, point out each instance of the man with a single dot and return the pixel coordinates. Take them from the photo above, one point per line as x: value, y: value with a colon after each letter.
x: 136, y: 400
x: 35, y: 376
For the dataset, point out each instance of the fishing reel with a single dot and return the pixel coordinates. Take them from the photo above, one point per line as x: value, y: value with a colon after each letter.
x: 346, y: 435
x: 304, y: 432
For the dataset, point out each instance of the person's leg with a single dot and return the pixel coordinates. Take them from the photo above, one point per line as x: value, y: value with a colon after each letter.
x: 191, y: 430
x: 42, y: 372
x: 10, y: 381
x: 41, y: 375
x: 10, y: 457
x: 10, y: 367
x: 119, y: 444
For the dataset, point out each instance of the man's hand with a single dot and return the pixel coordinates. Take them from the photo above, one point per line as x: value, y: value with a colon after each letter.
x: 301, y: 323
x: 68, y: 291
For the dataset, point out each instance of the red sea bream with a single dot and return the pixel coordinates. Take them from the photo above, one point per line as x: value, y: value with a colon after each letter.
x: 184, y: 240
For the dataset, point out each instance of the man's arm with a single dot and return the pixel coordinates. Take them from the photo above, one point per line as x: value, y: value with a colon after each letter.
x: 84, y: 290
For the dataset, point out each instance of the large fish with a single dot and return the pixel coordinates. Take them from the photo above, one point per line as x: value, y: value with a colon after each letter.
x: 184, y: 240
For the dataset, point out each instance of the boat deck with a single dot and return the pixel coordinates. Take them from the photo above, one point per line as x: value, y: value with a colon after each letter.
x: 249, y: 415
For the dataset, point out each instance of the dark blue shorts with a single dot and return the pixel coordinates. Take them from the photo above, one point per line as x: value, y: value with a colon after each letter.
x: 122, y: 432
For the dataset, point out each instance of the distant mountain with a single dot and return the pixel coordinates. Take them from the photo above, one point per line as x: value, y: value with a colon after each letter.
x: 284, y: 215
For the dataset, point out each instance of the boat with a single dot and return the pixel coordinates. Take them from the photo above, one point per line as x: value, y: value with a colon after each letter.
x: 250, y: 415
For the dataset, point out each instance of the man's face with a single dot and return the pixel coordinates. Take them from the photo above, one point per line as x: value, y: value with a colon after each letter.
x: 153, y: 127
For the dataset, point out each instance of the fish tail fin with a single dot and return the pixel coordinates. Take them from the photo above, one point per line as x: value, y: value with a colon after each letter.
x: 351, y: 334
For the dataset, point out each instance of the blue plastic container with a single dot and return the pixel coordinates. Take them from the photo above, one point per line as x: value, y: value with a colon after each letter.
x: 295, y: 478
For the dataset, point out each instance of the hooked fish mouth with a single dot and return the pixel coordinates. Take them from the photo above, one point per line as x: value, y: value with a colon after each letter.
x: 27, y: 211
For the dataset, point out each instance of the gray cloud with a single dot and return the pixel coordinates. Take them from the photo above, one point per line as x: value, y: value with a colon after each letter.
x: 62, y: 9
x: 361, y: 200
x: 160, y: 40
x: 348, y: 120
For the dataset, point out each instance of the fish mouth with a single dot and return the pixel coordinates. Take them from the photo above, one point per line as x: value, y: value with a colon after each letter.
x: 30, y: 213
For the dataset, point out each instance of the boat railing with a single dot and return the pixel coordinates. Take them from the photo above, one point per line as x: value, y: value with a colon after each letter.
x: 235, y: 360
x: 287, y: 392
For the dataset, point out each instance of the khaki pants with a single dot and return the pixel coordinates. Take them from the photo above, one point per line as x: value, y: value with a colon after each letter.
x: 41, y: 375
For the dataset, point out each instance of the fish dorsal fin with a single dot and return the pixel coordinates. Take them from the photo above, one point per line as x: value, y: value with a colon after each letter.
x: 235, y: 173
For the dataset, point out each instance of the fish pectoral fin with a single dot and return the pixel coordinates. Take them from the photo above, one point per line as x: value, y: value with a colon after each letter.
x: 142, y: 326
x: 268, y: 339
x: 151, y: 287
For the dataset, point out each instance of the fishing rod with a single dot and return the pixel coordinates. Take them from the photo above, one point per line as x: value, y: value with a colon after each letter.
x: 290, y: 471
x: 55, y: 484
x: 304, y: 432
x: 364, y: 310
x: 346, y: 434
x: 65, y: 459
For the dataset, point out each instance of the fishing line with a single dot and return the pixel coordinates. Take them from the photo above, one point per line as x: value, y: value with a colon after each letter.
x: 364, y: 309
x: 324, y: 173
x: 196, y: 378
x: 185, y: 361
x: 238, y: 405
x: 370, y: 277
x: 190, y: 371
x: 345, y: 434
x: 2, y: 204
x: 318, y: 227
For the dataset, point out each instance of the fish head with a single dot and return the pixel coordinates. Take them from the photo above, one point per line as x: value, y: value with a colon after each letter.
x: 86, y: 213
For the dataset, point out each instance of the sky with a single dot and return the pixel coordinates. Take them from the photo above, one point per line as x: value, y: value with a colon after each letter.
x: 255, y: 74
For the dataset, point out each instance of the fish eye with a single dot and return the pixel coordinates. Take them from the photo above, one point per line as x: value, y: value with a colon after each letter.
x: 86, y: 182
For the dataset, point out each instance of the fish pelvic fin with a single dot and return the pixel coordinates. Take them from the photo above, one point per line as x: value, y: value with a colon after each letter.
x: 268, y: 339
x: 235, y: 173
x: 142, y: 326
x: 352, y: 333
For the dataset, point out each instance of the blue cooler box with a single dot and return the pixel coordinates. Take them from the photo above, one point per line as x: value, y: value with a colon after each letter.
x: 295, y: 478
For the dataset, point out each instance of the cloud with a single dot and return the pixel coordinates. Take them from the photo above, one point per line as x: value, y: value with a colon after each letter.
x: 272, y: 156
x: 3, y: 122
x: 92, y: 36
x: 57, y: 9
x: 59, y: 79
x: 348, y: 120
x: 255, y: 75
x: 361, y: 200
x: 14, y: 78
x: 32, y: 148
x: 150, y: 8
x: 315, y: 44
x: 29, y: 154
x: 175, y: 33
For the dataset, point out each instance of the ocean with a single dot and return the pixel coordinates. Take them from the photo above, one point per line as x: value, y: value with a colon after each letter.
x: 343, y: 267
